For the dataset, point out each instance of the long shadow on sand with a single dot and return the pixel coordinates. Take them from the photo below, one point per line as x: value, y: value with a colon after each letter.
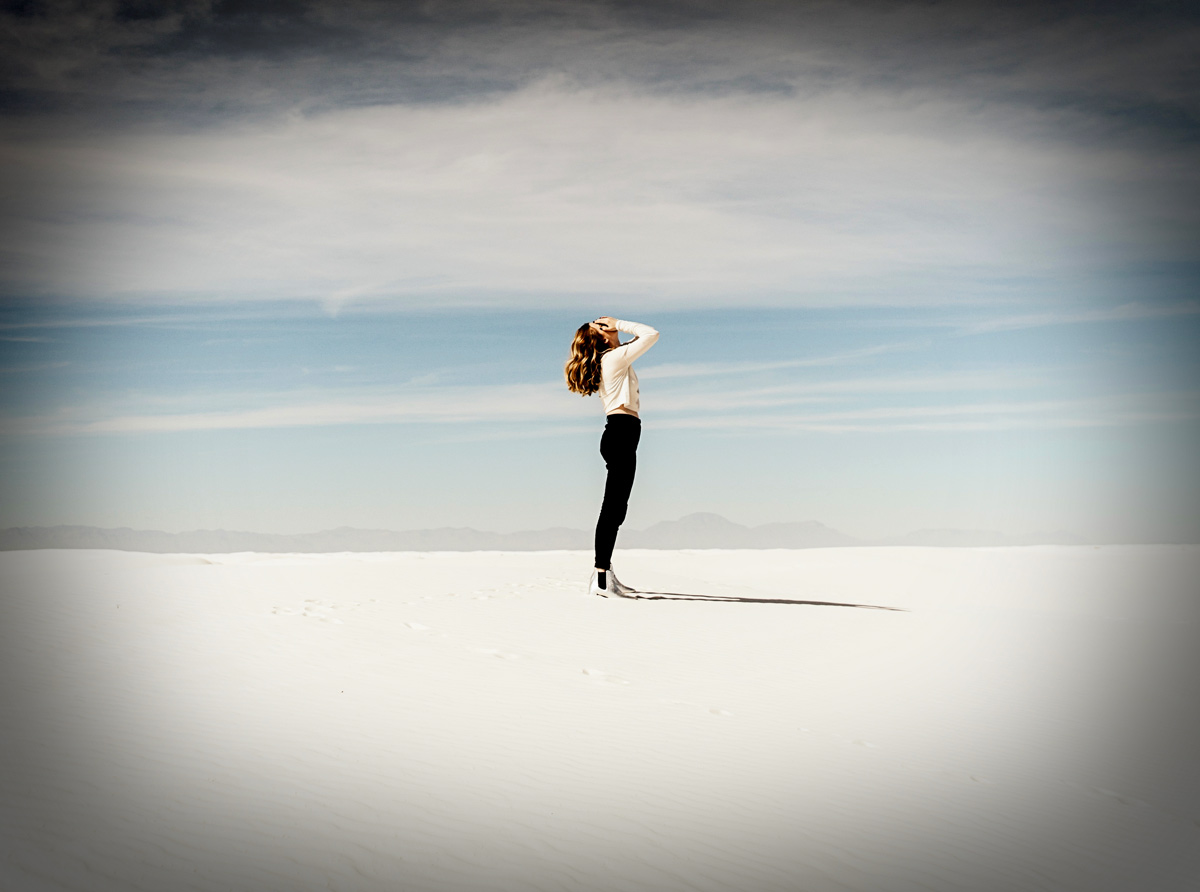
x: 685, y: 596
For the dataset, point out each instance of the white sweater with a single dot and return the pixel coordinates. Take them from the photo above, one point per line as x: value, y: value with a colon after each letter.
x: 618, y: 380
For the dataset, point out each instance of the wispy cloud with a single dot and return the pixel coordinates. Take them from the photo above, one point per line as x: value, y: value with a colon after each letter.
x: 486, y: 404
x: 32, y: 367
x: 966, y: 417
x: 709, y: 369
x: 454, y: 405
x: 1123, y: 313
x: 887, y: 388
x: 120, y: 320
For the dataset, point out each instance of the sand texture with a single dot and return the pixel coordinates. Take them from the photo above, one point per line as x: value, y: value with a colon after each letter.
x: 1026, y: 719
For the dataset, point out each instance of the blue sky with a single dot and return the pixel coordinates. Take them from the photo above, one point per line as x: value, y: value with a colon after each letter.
x: 291, y: 270
x: 875, y: 421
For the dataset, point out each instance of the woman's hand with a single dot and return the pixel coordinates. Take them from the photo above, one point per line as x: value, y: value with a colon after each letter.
x: 608, y: 323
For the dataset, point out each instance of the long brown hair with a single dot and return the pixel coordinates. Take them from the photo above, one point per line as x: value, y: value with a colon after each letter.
x: 583, y: 368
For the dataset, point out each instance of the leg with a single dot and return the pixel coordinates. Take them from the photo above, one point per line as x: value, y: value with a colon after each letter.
x: 612, y: 512
x: 619, y: 448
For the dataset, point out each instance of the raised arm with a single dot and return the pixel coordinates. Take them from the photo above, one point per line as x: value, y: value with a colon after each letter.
x: 644, y: 338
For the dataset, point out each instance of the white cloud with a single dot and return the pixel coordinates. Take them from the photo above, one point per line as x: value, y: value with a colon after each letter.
x: 558, y: 191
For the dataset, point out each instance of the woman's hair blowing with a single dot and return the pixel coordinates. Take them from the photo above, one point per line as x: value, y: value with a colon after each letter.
x: 583, y: 368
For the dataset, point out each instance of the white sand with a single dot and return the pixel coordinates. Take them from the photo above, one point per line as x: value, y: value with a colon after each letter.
x: 475, y: 721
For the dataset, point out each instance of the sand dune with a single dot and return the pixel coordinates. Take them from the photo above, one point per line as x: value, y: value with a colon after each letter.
x: 1025, y: 720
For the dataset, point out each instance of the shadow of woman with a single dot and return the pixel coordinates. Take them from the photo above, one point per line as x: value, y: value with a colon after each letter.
x: 685, y: 596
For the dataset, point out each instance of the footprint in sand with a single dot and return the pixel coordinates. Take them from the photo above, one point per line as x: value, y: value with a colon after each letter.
x: 498, y: 654
x: 417, y: 627
x: 314, y: 609
x: 1121, y: 798
x: 711, y: 711
x: 601, y: 675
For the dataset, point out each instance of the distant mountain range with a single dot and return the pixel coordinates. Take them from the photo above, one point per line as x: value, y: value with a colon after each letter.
x: 693, y: 531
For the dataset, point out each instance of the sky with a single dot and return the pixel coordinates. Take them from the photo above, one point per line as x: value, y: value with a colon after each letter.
x: 285, y: 267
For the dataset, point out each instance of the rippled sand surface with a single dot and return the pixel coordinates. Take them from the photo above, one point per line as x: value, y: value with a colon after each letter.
x: 1024, y: 719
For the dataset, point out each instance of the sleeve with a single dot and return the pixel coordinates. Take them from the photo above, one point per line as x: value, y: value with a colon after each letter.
x: 645, y: 338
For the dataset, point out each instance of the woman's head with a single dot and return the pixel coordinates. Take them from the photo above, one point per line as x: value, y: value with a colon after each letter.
x: 607, y: 326
x: 583, y: 368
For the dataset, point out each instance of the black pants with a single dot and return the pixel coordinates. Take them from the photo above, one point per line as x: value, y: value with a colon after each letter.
x: 618, y: 446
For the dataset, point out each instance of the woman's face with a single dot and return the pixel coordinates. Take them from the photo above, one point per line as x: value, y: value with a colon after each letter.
x: 610, y: 334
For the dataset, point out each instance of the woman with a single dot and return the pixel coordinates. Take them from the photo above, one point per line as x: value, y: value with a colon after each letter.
x: 600, y: 363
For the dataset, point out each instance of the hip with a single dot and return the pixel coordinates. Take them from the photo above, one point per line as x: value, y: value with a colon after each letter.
x: 621, y: 434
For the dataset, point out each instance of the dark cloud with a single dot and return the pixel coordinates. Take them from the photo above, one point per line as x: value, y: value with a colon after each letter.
x: 1133, y: 65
